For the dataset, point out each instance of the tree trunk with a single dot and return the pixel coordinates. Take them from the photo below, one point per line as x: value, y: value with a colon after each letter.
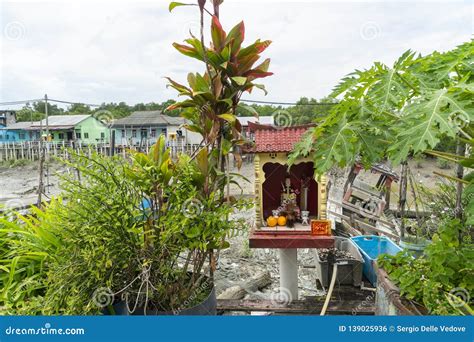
x: 403, y: 197
x: 460, y: 151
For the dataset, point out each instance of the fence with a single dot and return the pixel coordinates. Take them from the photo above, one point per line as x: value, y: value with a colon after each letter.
x: 31, y: 150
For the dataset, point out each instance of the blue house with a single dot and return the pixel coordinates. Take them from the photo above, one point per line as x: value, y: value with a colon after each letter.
x: 146, y: 126
x: 19, y: 132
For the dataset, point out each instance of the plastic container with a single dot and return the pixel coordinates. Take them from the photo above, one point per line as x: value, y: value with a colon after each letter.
x: 349, y: 271
x: 371, y: 246
x: 416, y: 247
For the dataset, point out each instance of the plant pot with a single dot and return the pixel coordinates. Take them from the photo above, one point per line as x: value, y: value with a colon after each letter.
x: 208, y: 307
x: 415, y: 246
x: 118, y: 308
x: 349, y: 270
x: 389, y: 302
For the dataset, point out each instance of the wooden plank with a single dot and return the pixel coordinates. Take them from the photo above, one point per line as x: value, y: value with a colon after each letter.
x: 281, y: 232
x: 365, y: 225
x: 306, y: 307
x: 361, y: 212
x: 411, y: 213
x: 289, y: 241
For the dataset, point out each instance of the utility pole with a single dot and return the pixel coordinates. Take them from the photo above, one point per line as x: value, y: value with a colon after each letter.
x: 42, y: 153
x: 48, y: 147
x: 46, y: 112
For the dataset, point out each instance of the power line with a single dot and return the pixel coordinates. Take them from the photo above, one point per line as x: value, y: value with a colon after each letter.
x: 291, y: 103
x: 52, y: 100
x: 18, y: 102
x: 243, y: 100
x: 68, y: 102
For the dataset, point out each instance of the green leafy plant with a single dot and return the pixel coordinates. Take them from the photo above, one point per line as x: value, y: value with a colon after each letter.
x: 393, y: 112
x: 213, y: 96
x: 28, y: 244
x: 447, y: 264
x: 138, y: 229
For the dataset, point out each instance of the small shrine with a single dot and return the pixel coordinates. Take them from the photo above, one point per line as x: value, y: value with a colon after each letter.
x: 287, y: 198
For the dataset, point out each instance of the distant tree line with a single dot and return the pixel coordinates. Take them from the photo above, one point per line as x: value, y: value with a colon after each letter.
x: 305, y: 111
x: 36, y: 111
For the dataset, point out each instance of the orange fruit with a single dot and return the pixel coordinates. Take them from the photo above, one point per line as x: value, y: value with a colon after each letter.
x: 282, y: 221
x: 272, y: 221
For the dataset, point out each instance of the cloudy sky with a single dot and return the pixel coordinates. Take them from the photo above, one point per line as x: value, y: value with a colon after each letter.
x: 111, y: 51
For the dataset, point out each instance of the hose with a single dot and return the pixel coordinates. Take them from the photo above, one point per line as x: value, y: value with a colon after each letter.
x: 331, y: 288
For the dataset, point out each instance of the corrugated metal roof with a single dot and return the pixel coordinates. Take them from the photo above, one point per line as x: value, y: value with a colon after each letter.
x: 148, y: 118
x: 21, y: 125
x: 278, y: 139
x: 62, y: 120
x: 263, y: 120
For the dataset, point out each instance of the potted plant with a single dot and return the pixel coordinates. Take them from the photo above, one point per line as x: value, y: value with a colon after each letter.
x: 138, y: 236
x: 439, y: 281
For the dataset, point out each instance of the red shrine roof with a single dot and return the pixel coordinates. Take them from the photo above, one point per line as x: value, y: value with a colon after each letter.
x: 278, y: 139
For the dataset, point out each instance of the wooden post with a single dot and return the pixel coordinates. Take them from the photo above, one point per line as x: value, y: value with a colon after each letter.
x: 41, y: 170
x: 388, y: 190
x: 112, y: 143
x: 403, y: 198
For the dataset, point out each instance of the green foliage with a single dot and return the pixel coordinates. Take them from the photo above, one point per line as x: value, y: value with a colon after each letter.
x: 101, y: 231
x: 28, y: 114
x: 393, y: 112
x: 28, y: 245
x: 142, y: 228
x: 35, y: 111
x: 310, y: 110
x: 467, y: 162
x: 212, y: 98
x: 447, y: 264
x: 441, y: 200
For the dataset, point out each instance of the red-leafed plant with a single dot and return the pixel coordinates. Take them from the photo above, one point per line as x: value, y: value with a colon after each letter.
x: 213, y: 96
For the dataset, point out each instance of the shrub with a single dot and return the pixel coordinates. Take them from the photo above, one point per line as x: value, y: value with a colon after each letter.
x: 447, y: 265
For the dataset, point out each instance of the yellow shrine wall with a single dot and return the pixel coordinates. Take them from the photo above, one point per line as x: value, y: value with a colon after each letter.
x: 281, y: 158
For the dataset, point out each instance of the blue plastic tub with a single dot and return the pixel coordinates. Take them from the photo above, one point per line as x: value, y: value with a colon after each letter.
x: 371, y: 246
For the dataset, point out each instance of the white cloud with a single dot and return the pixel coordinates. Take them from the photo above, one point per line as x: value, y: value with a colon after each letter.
x: 120, y: 51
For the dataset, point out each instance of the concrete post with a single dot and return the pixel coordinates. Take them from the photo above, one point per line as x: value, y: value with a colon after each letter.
x: 289, y: 272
